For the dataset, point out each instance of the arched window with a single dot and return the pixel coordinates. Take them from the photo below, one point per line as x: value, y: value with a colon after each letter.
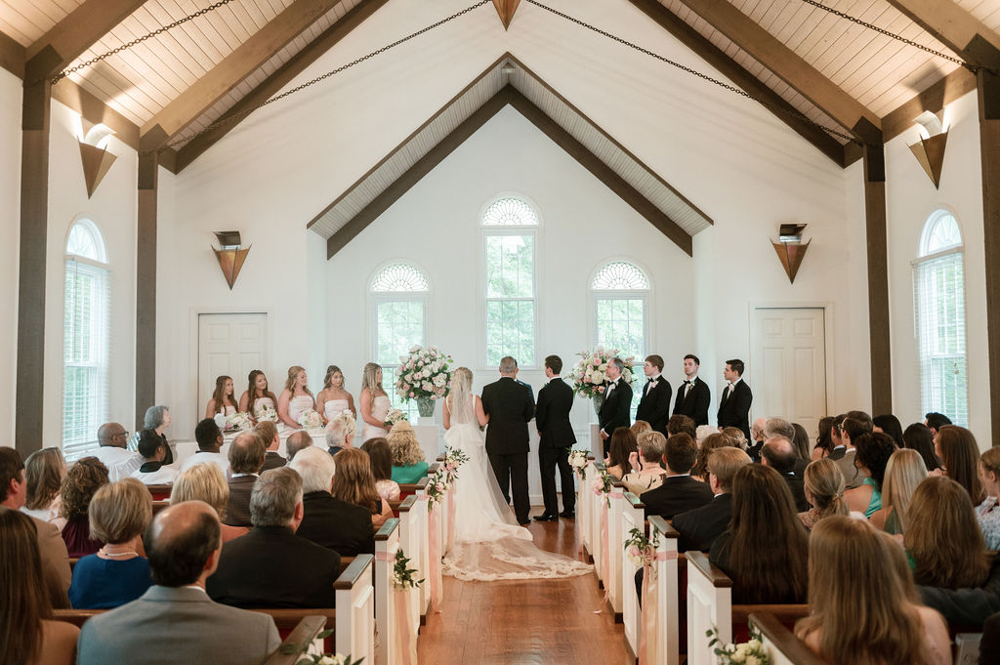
x: 940, y: 311
x: 86, y: 335
x: 620, y: 290
x: 399, y: 305
x: 510, y: 236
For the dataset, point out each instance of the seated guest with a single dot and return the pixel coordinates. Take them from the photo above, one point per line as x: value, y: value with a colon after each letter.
x: 380, y: 458
x: 354, y: 483
x: 640, y: 427
x: 152, y: 471
x: 623, y: 444
x: 205, y: 482
x: 919, y: 437
x: 935, y: 421
x: 987, y: 512
x: 117, y: 574
x: 254, y: 569
x: 113, y: 452
x: 737, y: 436
x: 339, y: 434
x: 861, y: 601
x: 757, y: 438
x: 408, y: 462
x: 43, y: 472
x: 824, y: 490
x: 157, y: 418
x: 175, y: 619
x: 246, y: 457
x: 958, y: 451
x: 681, y: 424
x: 82, y: 481
x: 337, y: 525
x: 889, y: 424
x: 702, y: 432
x: 942, y: 538
x: 765, y: 549
x: 903, y: 473
x: 989, y: 646
x: 712, y: 442
x: 209, y: 438
x: 802, y: 449
x: 779, y: 427
x: 700, y: 527
x: 844, y: 432
x: 296, y: 441
x: 679, y: 492
x: 646, y: 471
x: 779, y: 454
x: 824, y: 442
x: 27, y: 632
x: 873, y: 453
x: 268, y: 433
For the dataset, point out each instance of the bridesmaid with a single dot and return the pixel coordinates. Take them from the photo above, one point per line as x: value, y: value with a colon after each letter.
x: 333, y: 397
x: 295, y: 398
x: 374, y: 402
x: 257, y: 395
x: 223, y: 399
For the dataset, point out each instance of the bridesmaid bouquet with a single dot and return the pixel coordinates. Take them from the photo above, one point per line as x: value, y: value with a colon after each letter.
x: 590, y: 372
x: 424, y: 372
x: 393, y: 417
x: 240, y: 421
x: 266, y: 412
x: 311, y: 419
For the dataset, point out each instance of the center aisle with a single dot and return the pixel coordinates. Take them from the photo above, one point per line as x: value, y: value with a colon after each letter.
x: 529, y: 621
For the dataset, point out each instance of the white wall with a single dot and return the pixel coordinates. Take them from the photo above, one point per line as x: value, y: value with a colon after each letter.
x: 10, y: 228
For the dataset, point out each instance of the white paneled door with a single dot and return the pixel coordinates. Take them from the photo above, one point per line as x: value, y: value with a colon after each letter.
x: 229, y: 344
x: 789, y: 364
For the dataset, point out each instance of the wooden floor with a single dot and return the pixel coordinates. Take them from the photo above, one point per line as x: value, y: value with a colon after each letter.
x: 531, y: 621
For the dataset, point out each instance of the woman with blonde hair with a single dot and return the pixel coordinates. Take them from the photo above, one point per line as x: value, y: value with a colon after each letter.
x: 958, y: 451
x: 409, y: 464
x: 118, y: 573
x: 296, y: 398
x: 206, y: 482
x: 334, y: 398
x: 43, y: 473
x: 824, y: 489
x: 640, y: 427
x: 354, y: 483
x: 737, y: 436
x: 863, y: 606
x: 903, y: 473
x: 374, y: 402
x: 987, y: 512
x: 223, y: 398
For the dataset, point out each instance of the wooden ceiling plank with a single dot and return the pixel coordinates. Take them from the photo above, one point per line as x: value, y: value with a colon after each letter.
x: 96, y: 111
x: 235, y: 67
x: 954, y: 27
x: 936, y: 97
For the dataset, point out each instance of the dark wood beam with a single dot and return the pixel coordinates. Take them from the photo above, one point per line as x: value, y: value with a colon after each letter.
x: 145, y: 288
x: 761, y: 45
x: 601, y: 171
x: 989, y: 141
x: 94, y: 110
x: 955, y: 28
x: 878, y: 278
x: 956, y: 84
x: 279, y: 79
x: 12, y: 55
x: 73, y: 35
x: 746, y: 81
x: 30, y: 398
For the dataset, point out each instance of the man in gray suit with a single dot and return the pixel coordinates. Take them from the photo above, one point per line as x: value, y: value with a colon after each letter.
x: 175, y: 621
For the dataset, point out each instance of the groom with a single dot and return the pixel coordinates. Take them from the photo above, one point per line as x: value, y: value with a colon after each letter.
x: 510, y: 406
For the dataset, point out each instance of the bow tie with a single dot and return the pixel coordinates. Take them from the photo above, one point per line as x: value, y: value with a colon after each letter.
x: 687, y: 383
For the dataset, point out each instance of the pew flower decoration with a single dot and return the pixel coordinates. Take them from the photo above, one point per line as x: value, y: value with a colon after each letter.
x: 745, y: 653
x: 266, y: 412
x: 437, y: 487
x: 402, y: 576
x: 590, y: 372
x: 310, y: 419
x: 392, y: 417
x: 578, y: 460
x: 603, y: 484
x: 452, y: 460
x: 318, y: 658
x: 239, y: 421
x: 640, y: 550
x: 424, y: 372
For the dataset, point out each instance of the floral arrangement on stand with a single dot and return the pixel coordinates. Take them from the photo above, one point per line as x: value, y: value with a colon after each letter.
x: 266, y: 412
x: 310, y: 419
x: 402, y: 576
x: 591, y: 372
x: 239, y: 421
x: 392, y: 417
x: 640, y: 550
x: 745, y: 653
x: 578, y: 459
x: 603, y: 484
x: 452, y: 460
x: 424, y: 372
x: 437, y: 488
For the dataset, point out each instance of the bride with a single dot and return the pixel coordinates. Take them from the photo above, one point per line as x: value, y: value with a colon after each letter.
x: 488, y: 544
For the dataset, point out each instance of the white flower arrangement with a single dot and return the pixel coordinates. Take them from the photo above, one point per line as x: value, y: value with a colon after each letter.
x: 266, y: 412
x: 452, y: 460
x: 403, y: 577
x: 639, y: 549
x: 392, y: 417
x: 239, y: 421
x: 437, y: 487
x: 424, y: 372
x: 310, y: 419
x: 590, y: 372
x: 578, y: 459
x: 745, y: 653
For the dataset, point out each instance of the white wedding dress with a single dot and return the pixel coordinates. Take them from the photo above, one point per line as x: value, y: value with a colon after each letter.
x: 488, y: 544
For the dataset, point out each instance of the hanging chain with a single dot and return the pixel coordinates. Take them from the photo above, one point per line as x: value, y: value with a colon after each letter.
x: 138, y: 40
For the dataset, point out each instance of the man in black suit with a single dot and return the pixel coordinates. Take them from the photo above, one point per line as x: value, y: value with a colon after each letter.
x: 271, y: 566
x: 700, y: 527
x: 693, y: 396
x: 679, y: 492
x: 779, y: 454
x: 246, y: 457
x: 734, y: 407
x: 654, y: 407
x: 616, y: 409
x: 509, y: 407
x: 556, y: 437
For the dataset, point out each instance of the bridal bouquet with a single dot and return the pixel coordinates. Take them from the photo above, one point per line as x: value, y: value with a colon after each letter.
x: 266, y: 412
x: 240, y: 421
x: 578, y: 459
x: 311, y: 419
x: 590, y: 372
x: 393, y: 417
x: 639, y: 549
x: 745, y: 653
x: 425, y: 372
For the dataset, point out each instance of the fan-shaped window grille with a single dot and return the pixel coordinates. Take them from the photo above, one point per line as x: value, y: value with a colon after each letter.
x: 510, y: 212
x: 941, y: 233
x: 620, y: 276
x: 400, y: 278
x: 85, y: 242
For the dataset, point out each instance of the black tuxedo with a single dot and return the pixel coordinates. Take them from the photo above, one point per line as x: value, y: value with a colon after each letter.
x: 797, y: 488
x: 700, y: 527
x: 337, y: 525
x: 734, y: 411
x: 273, y: 567
x: 654, y: 407
x: 616, y: 411
x: 238, y: 508
x: 677, y: 494
x: 510, y: 407
x: 556, y: 438
x: 696, y: 403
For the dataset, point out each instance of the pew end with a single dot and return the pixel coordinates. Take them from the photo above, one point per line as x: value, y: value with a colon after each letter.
x: 783, y: 647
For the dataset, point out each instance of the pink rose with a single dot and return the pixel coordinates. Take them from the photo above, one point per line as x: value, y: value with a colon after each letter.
x: 600, y: 390
x: 411, y: 394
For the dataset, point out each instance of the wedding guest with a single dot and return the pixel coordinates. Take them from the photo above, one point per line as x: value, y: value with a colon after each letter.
x: 863, y: 608
x: 337, y: 525
x: 381, y: 463
x: 712, y: 442
x: 779, y: 454
x: 824, y: 441
x: 700, y: 527
x: 873, y: 453
x: 987, y: 512
x: 209, y: 438
x: 117, y: 573
x: 153, y: 471
x: 334, y: 398
x: 958, y: 451
x: 296, y: 398
x: 646, y: 471
x: 157, y: 418
x: 737, y: 436
x: 904, y: 472
x: 257, y: 399
x: 113, y: 451
x: 354, y: 483
x: 889, y: 424
x: 297, y: 441
x: 27, y: 632
x: 703, y: 432
x: 409, y: 464
x: 374, y: 403
x: 43, y: 473
x: 920, y: 438
x: 681, y: 424
x: 845, y: 432
x: 339, y: 433
x: 623, y: 444
x: 206, y: 482
x: 935, y: 421
x: 267, y: 432
x: 82, y: 481
x: 823, y: 484
x: 246, y: 458
x: 678, y: 492
x: 223, y: 398
x: 803, y: 450
x: 640, y: 427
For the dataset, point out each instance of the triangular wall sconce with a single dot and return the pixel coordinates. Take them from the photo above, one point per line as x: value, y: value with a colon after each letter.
x: 790, y: 249
x: 230, y: 255
x: 930, y: 151
x: 96, y: 158
x: 506, y: 9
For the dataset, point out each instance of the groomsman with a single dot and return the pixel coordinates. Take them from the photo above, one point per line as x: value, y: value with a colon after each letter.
x: 734, y: 407
x: 654, y: 407
x: 615, y: 412
x: 693, y: 396
x: 556, y: 437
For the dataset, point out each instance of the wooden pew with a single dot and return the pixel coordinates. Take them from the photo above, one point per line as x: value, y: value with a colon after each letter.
x: 669, y: 616
x: 584, y: 509
x: 424, y: 601
x: 616, y: 552
x: 304, y: 634
x: 593, y: 528
x: 781, y: 644
x: 160, y: 505
x: 631, y: 518
x: 387, y: 542
x: 160, y: 492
